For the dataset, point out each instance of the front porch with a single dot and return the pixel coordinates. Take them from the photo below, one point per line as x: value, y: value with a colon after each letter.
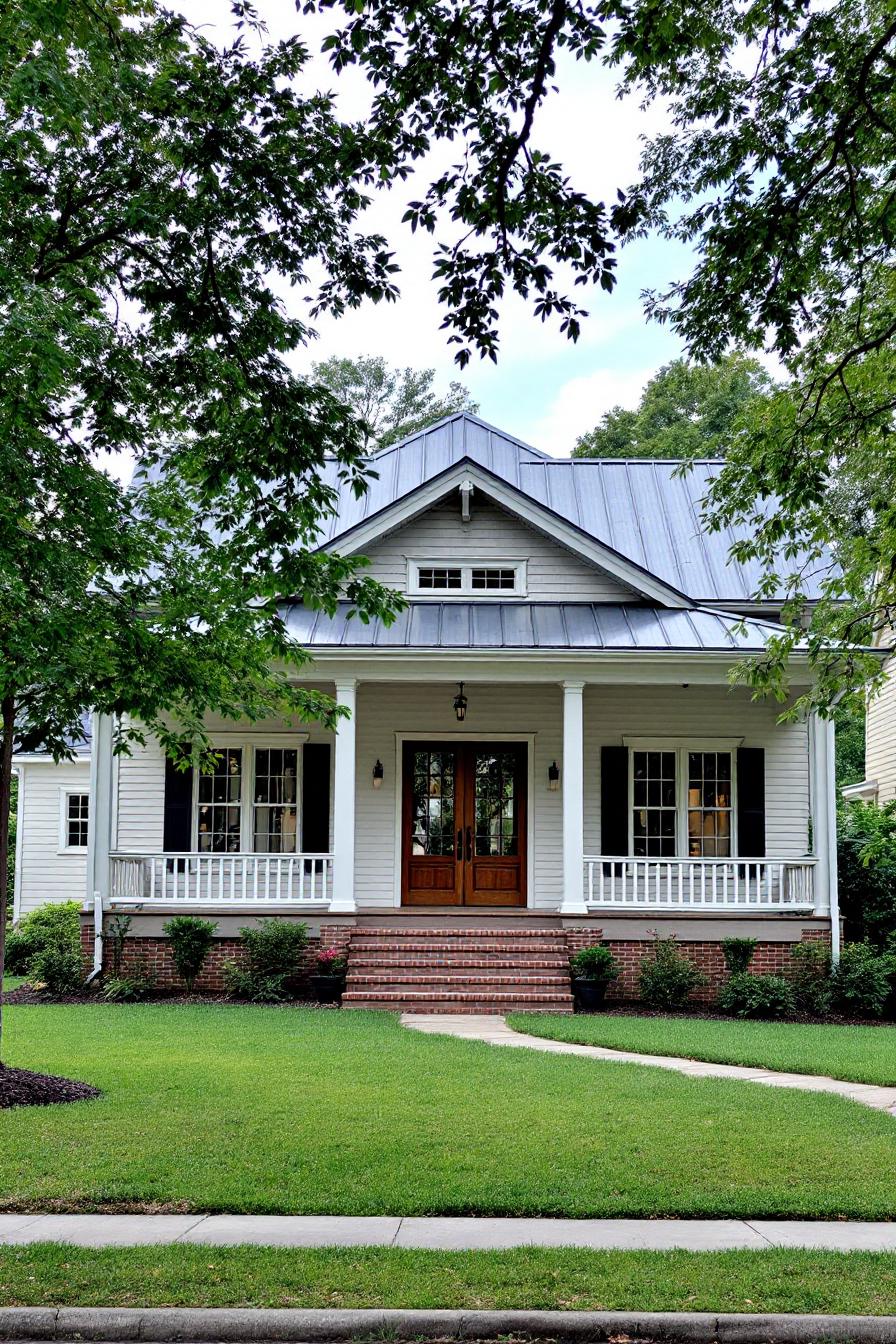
x: 580, y: 798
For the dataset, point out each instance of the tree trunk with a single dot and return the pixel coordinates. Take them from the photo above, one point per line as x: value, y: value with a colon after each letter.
x: 8, y: 711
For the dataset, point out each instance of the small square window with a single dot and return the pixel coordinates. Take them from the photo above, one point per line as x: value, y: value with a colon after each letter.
x: 75, y: 820
x: 494, y: 580
x: 439, y: 579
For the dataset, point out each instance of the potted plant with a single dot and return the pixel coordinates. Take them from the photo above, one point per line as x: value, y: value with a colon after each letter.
x: 329, y: 982
x: 592, y: 969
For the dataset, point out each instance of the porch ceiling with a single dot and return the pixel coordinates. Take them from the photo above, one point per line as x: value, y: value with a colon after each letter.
x: 576, y: 626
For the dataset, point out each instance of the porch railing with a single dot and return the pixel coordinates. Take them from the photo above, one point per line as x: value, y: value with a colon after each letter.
x: 700, y: 884
x: 222, y: 879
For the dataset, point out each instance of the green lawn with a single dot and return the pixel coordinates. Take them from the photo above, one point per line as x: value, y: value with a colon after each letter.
x: 859, y: 1054
x: 303, y: 1111
x: 751, y: 1281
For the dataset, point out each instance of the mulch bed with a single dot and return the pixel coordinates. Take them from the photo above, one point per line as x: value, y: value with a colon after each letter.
x: 710, y: 1014
x: 25, y: 994
x: 21, y: 1087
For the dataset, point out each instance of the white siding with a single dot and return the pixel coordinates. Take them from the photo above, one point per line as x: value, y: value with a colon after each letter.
x: 554, y: 573
x: 46, y: 874
x: 880, y: 737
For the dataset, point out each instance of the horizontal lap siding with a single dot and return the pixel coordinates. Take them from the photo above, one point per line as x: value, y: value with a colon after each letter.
x: 553, y: 573
x: 47, y: 875
x: 880, y: 752
x: 141, y: 780
x: 426, y: 712
x: 699, y: 712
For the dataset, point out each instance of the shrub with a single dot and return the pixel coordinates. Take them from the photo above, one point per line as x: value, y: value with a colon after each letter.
x: 331, y: 961
x: 866, y: 870
x: 756, y: 996
x: 666, y: 976
x: 133, y: 988
x: 116, y: 932
x: 738, y: 953
x: 810, y: 977
x: 272, y: 962
x: 56, y: 923
x: 862, y: 980
x: 595, y: 963
x: 57, y: 968
x: 191, y: 940
x: 240, y: 982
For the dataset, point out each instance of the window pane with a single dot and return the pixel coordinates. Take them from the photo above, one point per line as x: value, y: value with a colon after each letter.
x: 76, y: 819
x: 709, y: 804
x: 275, y: 810
x: 438, y: 578
x: 494, y: 579
x: 654, y: 804
x: 220, y: 794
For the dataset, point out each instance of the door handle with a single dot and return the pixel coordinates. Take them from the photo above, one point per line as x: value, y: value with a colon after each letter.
x: 469, y: 844
x: 460, y: 844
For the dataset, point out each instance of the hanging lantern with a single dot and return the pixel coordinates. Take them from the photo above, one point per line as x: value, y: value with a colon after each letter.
x: 460, y: 703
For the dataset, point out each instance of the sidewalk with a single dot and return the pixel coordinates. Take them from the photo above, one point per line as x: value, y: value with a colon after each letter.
x: 493, y: 1030
x: 442, y: 1234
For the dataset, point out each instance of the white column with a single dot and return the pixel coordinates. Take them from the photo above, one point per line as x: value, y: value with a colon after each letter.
x: 343, y: 901
x: 573, y: 800
x: 822, y: 759
x: 99, y: 825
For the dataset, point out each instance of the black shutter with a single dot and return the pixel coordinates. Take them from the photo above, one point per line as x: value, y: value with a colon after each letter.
x: 751, y: 802
x: 177, y: 833
x: 316, y: 798
x: 614, y: 801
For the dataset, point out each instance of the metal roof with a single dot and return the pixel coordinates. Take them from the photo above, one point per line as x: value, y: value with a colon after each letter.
x: 643, y: 509
x: 585, y: 626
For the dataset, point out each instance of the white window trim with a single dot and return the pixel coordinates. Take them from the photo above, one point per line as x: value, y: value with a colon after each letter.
x: 466, y: 566
x: 681, y: 747
x: 248, y: 746
x: 67, y: 791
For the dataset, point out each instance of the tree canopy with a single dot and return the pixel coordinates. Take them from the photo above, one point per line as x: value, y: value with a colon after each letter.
x: 390, y: 402
x: 686, y: 410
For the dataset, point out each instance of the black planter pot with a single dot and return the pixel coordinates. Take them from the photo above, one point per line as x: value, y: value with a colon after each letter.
x: 589, y: 994
x: 326, y: 988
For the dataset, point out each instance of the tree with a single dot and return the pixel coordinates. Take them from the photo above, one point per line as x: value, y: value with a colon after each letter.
x: 392, y: 403
x: 686, y: 410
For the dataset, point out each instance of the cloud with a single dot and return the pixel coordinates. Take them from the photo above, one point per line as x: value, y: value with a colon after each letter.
x: 581, y: 402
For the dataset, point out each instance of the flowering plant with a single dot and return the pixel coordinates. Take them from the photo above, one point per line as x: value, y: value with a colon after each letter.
x: 331, y: 961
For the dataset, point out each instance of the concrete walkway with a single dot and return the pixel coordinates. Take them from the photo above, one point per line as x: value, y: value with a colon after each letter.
x: 495, y: 1031
x: 442, y: 1234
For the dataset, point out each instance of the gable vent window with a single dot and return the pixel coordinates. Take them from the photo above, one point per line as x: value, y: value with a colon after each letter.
x: 427, y: 578
x: 433, y: 579
x: 494, y: 580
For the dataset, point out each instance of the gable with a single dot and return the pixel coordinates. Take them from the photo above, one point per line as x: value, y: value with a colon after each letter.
x: 492, y: 535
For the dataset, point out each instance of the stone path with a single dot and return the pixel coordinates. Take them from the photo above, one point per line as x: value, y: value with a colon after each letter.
x: 96, y: 1230
x: 495, y: 1031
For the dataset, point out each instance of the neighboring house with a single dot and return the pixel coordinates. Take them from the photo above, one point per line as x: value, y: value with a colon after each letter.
x: 543, y: 749
x: 879, y: 784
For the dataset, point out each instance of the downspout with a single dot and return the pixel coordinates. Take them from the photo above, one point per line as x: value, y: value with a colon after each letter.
x: 97, y: 938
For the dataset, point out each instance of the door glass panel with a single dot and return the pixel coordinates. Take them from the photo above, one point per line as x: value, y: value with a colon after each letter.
x: 495, y: 803
x: 432, y: 804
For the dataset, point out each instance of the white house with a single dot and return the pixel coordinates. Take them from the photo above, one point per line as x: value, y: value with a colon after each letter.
x: 544, y: 745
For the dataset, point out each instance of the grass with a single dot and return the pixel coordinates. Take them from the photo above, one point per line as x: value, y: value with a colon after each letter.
x: 11, y: 982
x: 529, y: 1278
x: 858, y: 1054
x: 268, y: 1110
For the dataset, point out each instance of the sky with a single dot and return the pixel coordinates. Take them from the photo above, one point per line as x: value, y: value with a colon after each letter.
x: 544, y: 389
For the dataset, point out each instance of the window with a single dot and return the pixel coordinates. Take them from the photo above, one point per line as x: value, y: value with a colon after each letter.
x: 249, y: 801
x: 431, y: 578
x: 478, y: 579
x: 75, y: 819
x: 681, y: 798
x: 654, y: 811
x: 709, y: 804
x: 276, y: 770
x: 219, y: 804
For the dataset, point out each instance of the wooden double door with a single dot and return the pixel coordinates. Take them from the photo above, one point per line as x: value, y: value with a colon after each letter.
x: 464, y: 823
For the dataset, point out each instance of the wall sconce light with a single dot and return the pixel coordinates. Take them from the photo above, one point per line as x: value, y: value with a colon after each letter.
x: 460, y: 703
x: 378, y: 775
x: 553, y: 776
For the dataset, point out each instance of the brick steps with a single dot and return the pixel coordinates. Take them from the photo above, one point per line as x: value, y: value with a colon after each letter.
x: 450, y: 970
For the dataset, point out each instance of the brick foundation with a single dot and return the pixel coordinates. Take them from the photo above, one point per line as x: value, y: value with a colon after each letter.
x: 768, y: 959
